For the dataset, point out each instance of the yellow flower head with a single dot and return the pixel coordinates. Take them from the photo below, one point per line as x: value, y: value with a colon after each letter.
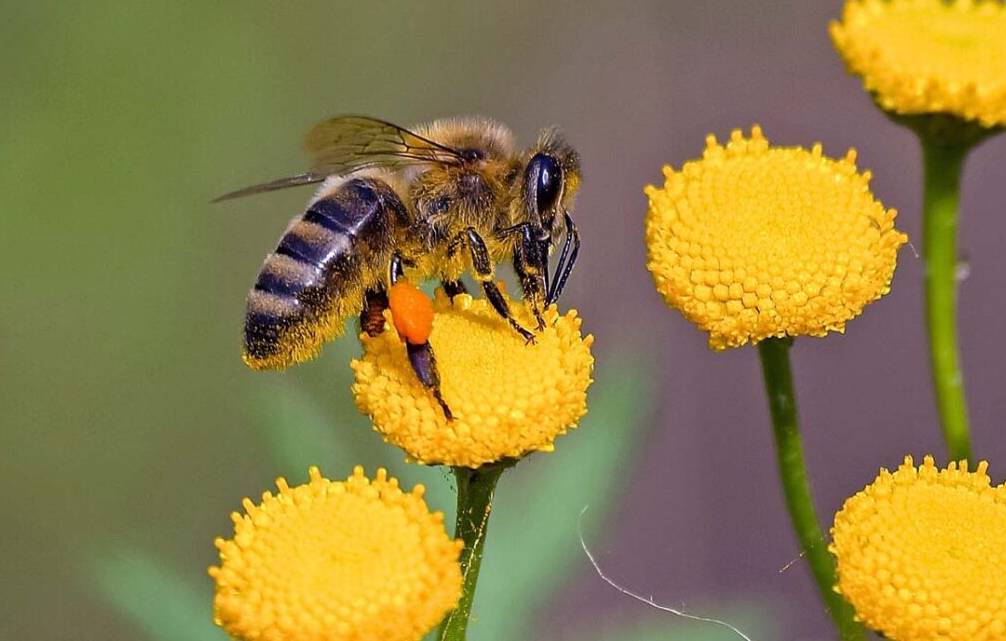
x: 754, y: 241
x: 508, y: 398
x: 922, y: 554
x: 929, y: 56
x: 336, y: 561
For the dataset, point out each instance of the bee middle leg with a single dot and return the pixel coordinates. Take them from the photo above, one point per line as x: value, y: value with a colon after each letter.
x: 483, y: 269
x: 453, y: 288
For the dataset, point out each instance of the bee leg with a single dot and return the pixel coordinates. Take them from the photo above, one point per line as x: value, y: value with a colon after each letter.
x: 421, y: 357
x: 453, y: 288
x: 396, y: 269
x: 530, y: 262
x: 566, y: 259
x: 375, y: 301
x: 483, y: 269
x: 424, y: 364
x: 372, y: 316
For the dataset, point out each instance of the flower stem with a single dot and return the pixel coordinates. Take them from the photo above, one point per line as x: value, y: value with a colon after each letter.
x: 774, y: 354
x: 475, y: 494
x: 943, y: 164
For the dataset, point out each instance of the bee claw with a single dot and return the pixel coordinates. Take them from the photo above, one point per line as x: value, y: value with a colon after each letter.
x: 443, y: 405
x: 528, y: 336
x: 453, y: 288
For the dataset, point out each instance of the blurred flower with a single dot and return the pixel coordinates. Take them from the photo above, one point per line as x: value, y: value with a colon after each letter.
x: 334, y: 561
x: 508, y: 398
x: 922, y: 553
x: 929, y: 56
x: 754, y: 241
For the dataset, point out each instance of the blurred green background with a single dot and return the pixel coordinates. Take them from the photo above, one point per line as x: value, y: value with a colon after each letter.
x: 129, y: 428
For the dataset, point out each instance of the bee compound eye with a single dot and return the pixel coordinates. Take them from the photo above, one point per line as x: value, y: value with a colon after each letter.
x: 548, y: 183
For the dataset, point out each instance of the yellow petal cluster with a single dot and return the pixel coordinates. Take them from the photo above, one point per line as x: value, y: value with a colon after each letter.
x: 336, y: 561
x: 929, y: 56
x: 754, y: 241
x: 508, y: 398
x: 921, y: 553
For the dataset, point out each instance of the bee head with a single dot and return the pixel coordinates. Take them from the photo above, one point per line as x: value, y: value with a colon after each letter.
x: 551, y: 180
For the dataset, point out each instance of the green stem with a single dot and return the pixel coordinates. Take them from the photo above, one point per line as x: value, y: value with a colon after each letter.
x: 475, y: 495
x: 774, y: 354
x: 943, y: 164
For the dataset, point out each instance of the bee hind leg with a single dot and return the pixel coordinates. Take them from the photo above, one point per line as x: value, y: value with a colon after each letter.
x: 421, y: 357
x: 424, y: 364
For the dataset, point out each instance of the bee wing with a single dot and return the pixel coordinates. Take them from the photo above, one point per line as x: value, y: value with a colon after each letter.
x: 349, y: 143
x: 346, y: 144
x: 281, y: 183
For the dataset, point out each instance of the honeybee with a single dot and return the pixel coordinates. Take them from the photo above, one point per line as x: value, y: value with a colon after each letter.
x: 448, y: 197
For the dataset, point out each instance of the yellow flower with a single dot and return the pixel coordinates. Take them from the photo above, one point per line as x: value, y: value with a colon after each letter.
x: 508, y: 398
x: 336, y: 561
x: 929, y: 56
x: 922, y: 554
x: 753, y: 241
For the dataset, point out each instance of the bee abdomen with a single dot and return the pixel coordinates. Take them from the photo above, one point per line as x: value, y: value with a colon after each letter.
x: 269, y: 317
x: 314, y: 280
x: 287, y: 275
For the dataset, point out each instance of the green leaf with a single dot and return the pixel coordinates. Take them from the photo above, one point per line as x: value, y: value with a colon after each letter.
x: 297, y: 432
x: 160, y: 602
x: 533, y: 544
x: 300, y: 431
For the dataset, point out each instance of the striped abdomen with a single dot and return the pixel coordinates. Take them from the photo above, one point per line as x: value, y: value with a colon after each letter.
x: 317, y: 276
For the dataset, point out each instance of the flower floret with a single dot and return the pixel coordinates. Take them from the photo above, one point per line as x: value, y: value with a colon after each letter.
x: 929, y: 56
x: 921, y: 556
x: 508, y: 397
x: 754, y: 241
x: 336, y: 561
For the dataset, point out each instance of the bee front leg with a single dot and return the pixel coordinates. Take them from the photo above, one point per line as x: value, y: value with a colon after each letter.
x: 566, y: 260
x: 530, y: 261
x: 483, y: 269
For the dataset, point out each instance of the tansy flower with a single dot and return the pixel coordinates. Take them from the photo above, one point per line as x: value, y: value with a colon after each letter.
x: 336, y: 561
x: 508, y: 398
x: 921, y: 553
x: 753, y: 241
x: 929, y: 56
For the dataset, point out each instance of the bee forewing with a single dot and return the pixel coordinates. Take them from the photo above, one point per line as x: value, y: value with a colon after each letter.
x: 348, y: 143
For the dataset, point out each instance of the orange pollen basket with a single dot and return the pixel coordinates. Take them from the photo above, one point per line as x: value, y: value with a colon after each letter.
x: 412, y: 312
